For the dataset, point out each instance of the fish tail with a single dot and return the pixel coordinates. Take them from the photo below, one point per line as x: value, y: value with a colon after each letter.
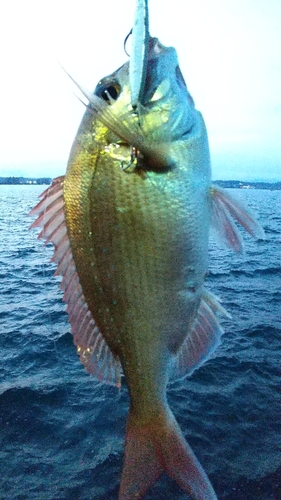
x: 152, y: 448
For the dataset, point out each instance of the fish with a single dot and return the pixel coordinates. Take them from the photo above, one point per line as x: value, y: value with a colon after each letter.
x: 130, y: 223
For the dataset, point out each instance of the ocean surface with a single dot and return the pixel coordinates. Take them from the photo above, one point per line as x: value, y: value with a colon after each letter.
x: 62, y: 433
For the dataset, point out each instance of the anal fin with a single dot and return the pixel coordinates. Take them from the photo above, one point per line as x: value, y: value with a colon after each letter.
x: 204, y: 337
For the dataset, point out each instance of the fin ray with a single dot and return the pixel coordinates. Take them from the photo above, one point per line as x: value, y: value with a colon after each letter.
x: 159, y: 446
x: 226, y: 210
x: 203, y: 339
x: 91, y: 346
x: 123, y: 123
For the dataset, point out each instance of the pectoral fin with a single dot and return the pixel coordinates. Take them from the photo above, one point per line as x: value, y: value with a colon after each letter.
x: 203, y: 339
x: 225, y: 211
x: 91, y: 347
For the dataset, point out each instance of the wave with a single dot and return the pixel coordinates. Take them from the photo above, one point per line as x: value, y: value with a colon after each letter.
x: 63, y: 432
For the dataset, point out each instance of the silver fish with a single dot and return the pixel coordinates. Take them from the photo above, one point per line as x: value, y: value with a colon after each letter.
x: 130, y: 224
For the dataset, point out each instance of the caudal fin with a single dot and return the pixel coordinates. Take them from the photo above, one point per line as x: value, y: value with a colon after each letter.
x: 156, y: 447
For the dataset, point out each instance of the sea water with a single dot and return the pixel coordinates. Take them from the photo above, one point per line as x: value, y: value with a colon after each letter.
x: 62, y: 432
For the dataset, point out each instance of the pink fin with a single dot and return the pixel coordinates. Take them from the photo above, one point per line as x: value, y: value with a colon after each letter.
x: 91, y: 347
x: 204, y: 337
x: 160, y: 446
x: 224, y: 210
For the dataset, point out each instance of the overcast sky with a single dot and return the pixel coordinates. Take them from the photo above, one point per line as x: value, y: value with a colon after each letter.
x: 229, y: 53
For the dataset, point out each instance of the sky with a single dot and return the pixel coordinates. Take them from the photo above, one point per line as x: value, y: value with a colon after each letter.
x: 229, y: 53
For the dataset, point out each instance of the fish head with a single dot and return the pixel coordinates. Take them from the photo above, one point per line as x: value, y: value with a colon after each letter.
x: 166, y: 112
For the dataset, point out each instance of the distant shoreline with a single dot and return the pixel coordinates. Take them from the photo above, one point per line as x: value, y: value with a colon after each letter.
x: 25, y: 180
x: 225, y: 184
x: 273, y: 186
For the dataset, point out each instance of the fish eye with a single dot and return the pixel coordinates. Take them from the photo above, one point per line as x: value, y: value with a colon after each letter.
x: 108, y: 91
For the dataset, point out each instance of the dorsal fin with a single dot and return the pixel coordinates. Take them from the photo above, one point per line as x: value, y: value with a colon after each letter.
x: 91, y: 346
x: 204, y: 337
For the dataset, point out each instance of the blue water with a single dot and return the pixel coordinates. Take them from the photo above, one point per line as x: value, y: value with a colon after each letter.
x: 62, y: 433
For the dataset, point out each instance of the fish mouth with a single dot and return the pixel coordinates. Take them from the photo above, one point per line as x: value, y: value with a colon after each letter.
x: 154, y: 76
x: 155, y: 47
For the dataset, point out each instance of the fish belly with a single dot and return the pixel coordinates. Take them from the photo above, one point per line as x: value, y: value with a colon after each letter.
x: 139, y: 243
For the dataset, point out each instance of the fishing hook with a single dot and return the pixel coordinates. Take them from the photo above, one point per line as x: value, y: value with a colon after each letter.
x: 125, y: 41
x: 134, y: 160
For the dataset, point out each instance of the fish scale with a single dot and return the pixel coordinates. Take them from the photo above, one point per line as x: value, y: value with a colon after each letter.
x: 130, y: 281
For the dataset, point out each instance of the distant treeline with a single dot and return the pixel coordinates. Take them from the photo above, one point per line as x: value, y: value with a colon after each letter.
x: 25, y: 180
x: 225, y: 184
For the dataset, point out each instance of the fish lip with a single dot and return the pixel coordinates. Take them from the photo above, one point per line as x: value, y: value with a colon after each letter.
x: 156, y: 48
